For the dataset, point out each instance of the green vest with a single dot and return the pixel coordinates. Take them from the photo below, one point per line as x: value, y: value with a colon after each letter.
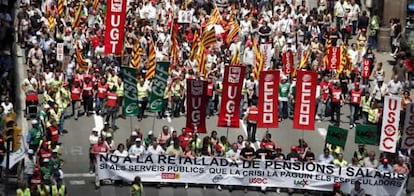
x: 58, y: 192
x: 43, y: 190
x: 366, y: 104
x: 138, y: 189
x: 20, y: 192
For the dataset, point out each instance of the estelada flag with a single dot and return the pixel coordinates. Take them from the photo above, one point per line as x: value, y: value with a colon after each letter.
x: 268, y: 99
x: 305, y: 106
x: 334, y: 57
x: 196, y: 107
x: 229, y: 115
x: 287, y: 60
x: 366, y: 68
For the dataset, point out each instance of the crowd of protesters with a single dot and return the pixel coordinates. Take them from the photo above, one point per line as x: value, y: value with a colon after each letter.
x: 68, y: 90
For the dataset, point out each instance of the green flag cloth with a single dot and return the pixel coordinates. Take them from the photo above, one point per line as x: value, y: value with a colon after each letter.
x: 336, y: 136
x: 159, y: 84
x: 366, y: 134
x: 129, y: 77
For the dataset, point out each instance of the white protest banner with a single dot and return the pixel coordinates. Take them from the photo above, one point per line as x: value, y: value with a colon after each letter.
x: 390, y: 122
x: 268, y: 173
x: 407, y: 141
x: 184, y: 16
x: 59, y: 52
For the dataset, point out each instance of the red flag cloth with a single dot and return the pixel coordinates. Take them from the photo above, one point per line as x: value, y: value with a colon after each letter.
x: 231, y: 96
x: 196, y: 106
x: 287, y: 60
x: 366, y: 68
x: 334, y: 58
x: 114, y: 29
x: 268, y: 99
x: 305, y: 106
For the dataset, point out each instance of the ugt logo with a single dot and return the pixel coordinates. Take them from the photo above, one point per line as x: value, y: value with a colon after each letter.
x: 301, y: 183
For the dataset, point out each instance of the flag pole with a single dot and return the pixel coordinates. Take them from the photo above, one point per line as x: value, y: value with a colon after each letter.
x: 153, y: 121
x: 227, y: 134
x: 130, y: 123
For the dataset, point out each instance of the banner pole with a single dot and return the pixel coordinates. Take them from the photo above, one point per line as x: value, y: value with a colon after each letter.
x: 153, y: 122
x: 130, y: 123
x: 227, y: 134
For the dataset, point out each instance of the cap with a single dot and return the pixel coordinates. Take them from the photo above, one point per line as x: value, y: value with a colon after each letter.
x: 292, y: 147
x: 278, y: 148
x: 337, y: 185
x: 46, y: 106
x: 284, y: 78
x: 357, y: 84
x: 134, y: 133
x: 138, y: 139
x: 385, y: 161
x: 150, y: 132
x: 34, y: 122
x: 30, y: 151
x: 364, y: 30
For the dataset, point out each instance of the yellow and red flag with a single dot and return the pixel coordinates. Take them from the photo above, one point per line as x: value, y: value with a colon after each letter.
x: 82, y: 63
x: 235, y: 60
x: 136, y: 54
x: 233, y: 32
x: 215, y: 17
x: 194, y: 45
x: 201, y: 61
x: 151, y: 61
x: 259, y: 57
x: 95, y: 4
x: 51, y: 21
x: 61, y: 7
x: 77, y: 19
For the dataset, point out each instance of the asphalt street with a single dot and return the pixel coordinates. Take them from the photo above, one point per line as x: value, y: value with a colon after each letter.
x: 76, y: 148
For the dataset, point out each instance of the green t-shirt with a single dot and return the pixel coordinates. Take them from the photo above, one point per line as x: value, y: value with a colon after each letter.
x: 284, y: 89
x: 46, y: 174
x: 36, y: 136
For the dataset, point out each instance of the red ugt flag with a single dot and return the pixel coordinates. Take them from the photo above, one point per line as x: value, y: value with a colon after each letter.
x: 115, y: 23
x: 196, y: 106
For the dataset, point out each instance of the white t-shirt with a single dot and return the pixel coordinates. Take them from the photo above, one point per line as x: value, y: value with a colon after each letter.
x: 155, y: 151
x: 8, y: 108
x: 135, y: 150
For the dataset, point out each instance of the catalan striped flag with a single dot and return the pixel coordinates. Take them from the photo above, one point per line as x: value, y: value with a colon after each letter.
x: 174, y: 46
x: 328, y: 47
x: 61, y: 7
x: 305, y: 59
x: 151, y: 61
x: 194, y: 45
x: 201, y: 61
x: 346, y: 61
x: 259, y: 57
x: 95, y: 4
x: 82, y: 63
x: 233, y: 32
x: 136, y: 54
x: 209, y: 38
x: 215, y: 17
x: 51, y: 21
x: 77, y: 19
x: 235, y: 60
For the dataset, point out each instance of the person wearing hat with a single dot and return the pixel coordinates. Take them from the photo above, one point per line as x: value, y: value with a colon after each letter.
x: 148, y: 140
x: 380, y: 90
x: 55, y: 165
x: 355, y: 103
x: 29, y: 165
x: 357, y: 190
x: 44, y: 118
x: 34, y: 136
x: 137, y: 149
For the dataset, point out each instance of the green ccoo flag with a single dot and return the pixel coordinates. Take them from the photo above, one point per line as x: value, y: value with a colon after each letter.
x: 366, y: 134
x: 336, y: 136
x: 129, y: 77
x: 159, y: 83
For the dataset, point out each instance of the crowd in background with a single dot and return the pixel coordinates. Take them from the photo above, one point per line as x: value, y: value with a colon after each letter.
x: 68, y: 89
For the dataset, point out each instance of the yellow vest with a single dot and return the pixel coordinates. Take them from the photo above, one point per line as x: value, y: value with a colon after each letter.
x: 58, y: 192
x: 139, y: 189
x: 120, y: 89
x: 372, y: 116
x: 43, y: 190
x: 47, y: 98
x: 366, y: 104
x: 20, y: 192
x: 176, y: 90
x: 166, y: 93
x: 142, y: 91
